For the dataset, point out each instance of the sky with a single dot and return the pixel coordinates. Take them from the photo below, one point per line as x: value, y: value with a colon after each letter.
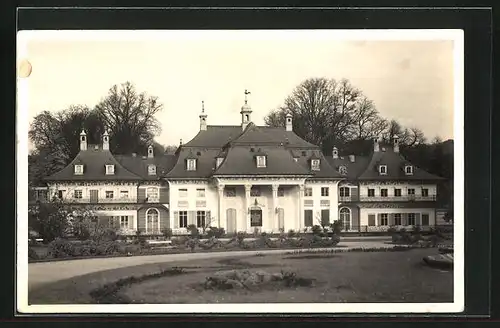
x: 410, y: 79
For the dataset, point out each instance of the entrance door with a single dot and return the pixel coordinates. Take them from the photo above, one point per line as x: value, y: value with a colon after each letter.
x: 94, y: 196
x: 325, y: 217
x: 281, y: 219
x: 231, y: 220
x: 425, y: 219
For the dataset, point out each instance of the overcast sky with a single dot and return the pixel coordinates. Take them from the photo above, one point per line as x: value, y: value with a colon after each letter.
x: 411, y: 81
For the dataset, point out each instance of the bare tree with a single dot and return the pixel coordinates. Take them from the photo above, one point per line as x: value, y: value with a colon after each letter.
x: 130, y: 117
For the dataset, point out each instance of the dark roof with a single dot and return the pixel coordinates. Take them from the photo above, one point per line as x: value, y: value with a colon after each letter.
x: 354, y: 169
x: 216, y: 136
x: 139, y: 165
x: 205, y: 164
x: 395, y: 167
x: 304, y: 159
x: 240, y: 161
x: 94, y: 163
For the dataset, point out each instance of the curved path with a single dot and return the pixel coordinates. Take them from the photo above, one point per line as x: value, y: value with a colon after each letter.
x: 47, y: 272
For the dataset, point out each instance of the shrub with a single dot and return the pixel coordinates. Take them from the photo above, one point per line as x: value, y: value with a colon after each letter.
x: 336, y: 227
x: 215, y: 232
x: 417, y: 229
x: 167, y: 233
x: 32, y: 254
x: 256, y: 232
x: 192, y: 243
x: 335, y: 239
x: 240, y: 237
x: 140, y: 239
x: 291, y: 233
x: 193, y: 231
x: 60, y: 248
x: 317, y: 230
x: 392, y: 230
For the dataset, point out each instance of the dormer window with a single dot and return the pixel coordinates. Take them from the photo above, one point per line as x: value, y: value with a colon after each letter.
x: 295, y: 159
x: 78, y: 169
x: 219, y: 161
x: 151, y: 169
x: 343, y: 170
x: 261, y: 161
x: 409, y: 170
x: 315, y: 164
x: 382, y: 169
x: 110, y: 169
x: 191, y: 164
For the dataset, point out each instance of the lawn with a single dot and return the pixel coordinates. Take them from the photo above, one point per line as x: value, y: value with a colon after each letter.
x: 341, y: 277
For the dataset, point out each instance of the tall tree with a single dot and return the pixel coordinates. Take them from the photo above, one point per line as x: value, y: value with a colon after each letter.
x: 130, y: 118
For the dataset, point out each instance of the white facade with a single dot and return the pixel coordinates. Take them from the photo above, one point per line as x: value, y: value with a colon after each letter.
x: 404, y: 212
x: 67, y: 191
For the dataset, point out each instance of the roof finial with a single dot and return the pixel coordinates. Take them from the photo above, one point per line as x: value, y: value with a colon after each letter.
x: 246, y: 94
x: 203, y: 106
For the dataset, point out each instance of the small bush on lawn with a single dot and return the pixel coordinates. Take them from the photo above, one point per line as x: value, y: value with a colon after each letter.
x: 291, y: 233
x: 215, y: 232
x: 167, y: 233
x: 317, y: 230
x: 240, y: 237
x: 60, y: 248
x: 193, y: 231
x: 192, y: 243
x: 32, y: 254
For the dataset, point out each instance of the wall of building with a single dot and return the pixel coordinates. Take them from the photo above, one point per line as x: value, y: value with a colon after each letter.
x: 319, y: 202
x: 164, y: 218
x: 102, y: 187
x: 404, y: 186
x: 365, y: 212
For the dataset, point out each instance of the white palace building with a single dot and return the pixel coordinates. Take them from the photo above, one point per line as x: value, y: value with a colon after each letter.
x: 243, y: 177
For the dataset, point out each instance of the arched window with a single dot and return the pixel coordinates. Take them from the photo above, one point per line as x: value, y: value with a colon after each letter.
x: 345, y: 218
x: 152, y: 221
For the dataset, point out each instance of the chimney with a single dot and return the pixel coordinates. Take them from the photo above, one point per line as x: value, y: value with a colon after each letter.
x: 105, y: 140
x: 335, y: 152
x: 288, y: 125
x: 150, y: 151
x: 376, y: 146
x: 396, y: 144
x: 352, y: 158
x: 83, y: 140
x: 180, y: 143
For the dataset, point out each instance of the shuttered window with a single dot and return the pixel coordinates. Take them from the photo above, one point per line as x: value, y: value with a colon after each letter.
x: 371, y: 219
x: 308, y: 218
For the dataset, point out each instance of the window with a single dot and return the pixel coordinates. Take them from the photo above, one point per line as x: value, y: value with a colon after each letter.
x: 345, y: 191
x: 183, y: 219
x: 325, y: 191
x: 281, y: 192
x: 230, y: 191
x: 411, y: 219
x: 315, y: 164
x: 78, y: 169
x: 200, y: 219
x: 308, y: 218
x: 255, y: 191
x: 371, y: 192
x: 371, y: 220
x: 219, y: 161
x: 325, y: 217
x: 397, y: 219
x: 261, y: 161
x: 123, y: 194
x: 256, y: 218
x: 191, y: 164
x: 425, y: 192
x: 411, y: 192
x: 384, y: 219
x: 382, y: 169
x: 425, y: 219
x: 77, y: 194
x: 109, y: 194
x: 383, y: 192
x: 308, y: 192
x: 152, y: 221
x: 152, y: 194
x: 110, y: 169
x: 151, y: 169
x: 343, y: 170
x: 409, y: 170
x: 183, y: 192
x: 124, y: 222
x: 200, y: 192
x: 397, y: 192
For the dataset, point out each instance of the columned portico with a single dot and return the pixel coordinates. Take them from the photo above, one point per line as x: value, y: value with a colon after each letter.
x: 246, y: 214
x: 301, y: 207
x: 220, y: 190
x: 274, y: 224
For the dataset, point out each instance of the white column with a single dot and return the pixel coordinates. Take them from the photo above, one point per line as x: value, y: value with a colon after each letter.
x: 300, y: 222
x: 220, y: 189
x: 274, y: 221
x: 246, y: 215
